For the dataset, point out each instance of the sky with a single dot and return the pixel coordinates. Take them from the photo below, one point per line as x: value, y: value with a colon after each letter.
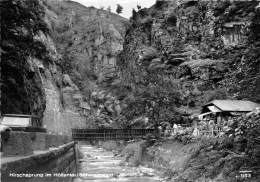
x: 128, y: 5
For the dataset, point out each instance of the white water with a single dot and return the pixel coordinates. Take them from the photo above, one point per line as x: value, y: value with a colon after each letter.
x: 99, y: 165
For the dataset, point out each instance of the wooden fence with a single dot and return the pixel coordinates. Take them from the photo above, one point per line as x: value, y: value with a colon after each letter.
x: 111, y: 134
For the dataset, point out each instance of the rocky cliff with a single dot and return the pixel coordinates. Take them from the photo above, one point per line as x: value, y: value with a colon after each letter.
x: 89, y: 41
x: 21, y: 52
x: 193, y: 52
x: 54, y: 55
x: 62, y: 61
x: 32, y: 77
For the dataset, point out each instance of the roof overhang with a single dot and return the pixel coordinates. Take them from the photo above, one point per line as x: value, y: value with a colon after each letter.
x: 16, y: 121
x: 214, y: 109
x: 204, y: 114
x: 232, y: 105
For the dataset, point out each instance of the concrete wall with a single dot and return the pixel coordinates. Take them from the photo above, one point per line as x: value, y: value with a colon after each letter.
x: 59, y: 160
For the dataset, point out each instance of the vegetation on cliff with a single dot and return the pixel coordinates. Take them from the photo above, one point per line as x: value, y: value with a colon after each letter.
x: 21, y: 86
x: 170, y: 60
x: 89, y: 40
x: 187, y: 52
x: 32, y: 79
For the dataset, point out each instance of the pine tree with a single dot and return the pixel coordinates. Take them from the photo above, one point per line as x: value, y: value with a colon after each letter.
x: 119, y: 9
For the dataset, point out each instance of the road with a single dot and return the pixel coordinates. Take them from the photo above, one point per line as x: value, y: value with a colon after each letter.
x: 99, y: 165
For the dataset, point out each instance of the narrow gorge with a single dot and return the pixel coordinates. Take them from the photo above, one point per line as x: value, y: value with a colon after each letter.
x: 101, y: 70
x: 73, y: 66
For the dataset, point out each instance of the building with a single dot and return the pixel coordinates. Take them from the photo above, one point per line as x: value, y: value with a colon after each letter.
x: 20, y: 120
x: 223, y: 109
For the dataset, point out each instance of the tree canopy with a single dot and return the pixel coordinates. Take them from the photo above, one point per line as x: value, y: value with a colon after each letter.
x: 119, y: 9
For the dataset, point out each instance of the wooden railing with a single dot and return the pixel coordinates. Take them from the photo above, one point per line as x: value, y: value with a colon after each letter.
x: 111, y: 134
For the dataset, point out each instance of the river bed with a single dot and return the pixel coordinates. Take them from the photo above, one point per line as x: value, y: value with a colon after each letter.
x: 98, y: 165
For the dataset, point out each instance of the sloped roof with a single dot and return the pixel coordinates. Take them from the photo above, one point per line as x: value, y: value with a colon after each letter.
x: 234, y: 105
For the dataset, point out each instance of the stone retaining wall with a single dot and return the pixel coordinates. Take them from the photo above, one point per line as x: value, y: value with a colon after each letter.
x: 45, y: 165
x: 17, y: 143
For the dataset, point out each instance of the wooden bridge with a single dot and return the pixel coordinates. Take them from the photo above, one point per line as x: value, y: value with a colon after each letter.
x: 111, y: 134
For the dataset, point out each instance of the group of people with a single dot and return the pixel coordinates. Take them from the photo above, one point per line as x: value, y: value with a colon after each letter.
x: 212, y: 127
x: 170, y: 130
x: 206, y: 126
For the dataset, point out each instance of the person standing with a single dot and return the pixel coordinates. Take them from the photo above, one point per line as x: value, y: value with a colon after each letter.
x: 211, y: 127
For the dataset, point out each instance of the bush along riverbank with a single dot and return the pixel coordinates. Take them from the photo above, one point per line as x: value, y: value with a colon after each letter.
x: 233, y: 156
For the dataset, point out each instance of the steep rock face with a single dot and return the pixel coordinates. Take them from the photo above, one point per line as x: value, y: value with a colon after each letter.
x: 89, y: 39
x: 32, y: 79
x: 62, y: 110
x: 224, y: 31
x: 200, y: 46
x: 55, y: 55
x: 21, y: 83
